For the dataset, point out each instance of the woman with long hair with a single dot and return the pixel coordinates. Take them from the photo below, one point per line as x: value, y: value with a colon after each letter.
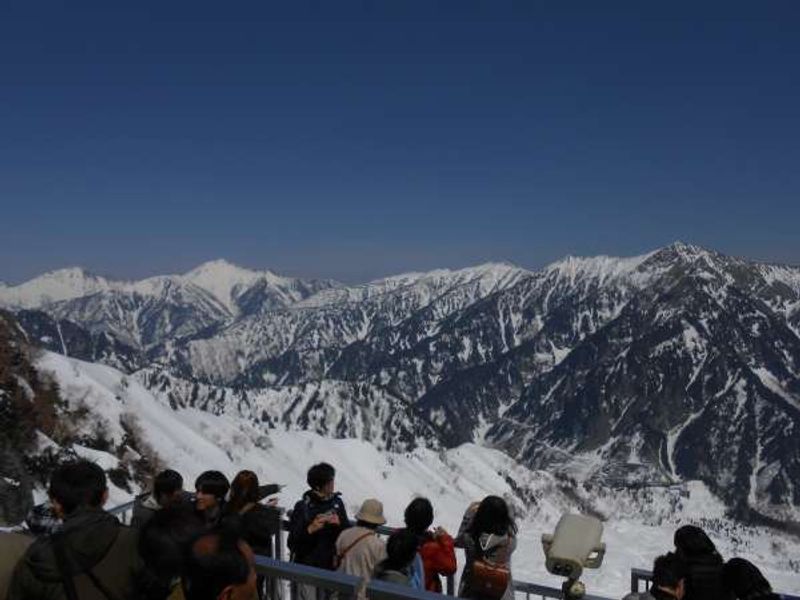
x: 488, y: 536
x: 256, y: 523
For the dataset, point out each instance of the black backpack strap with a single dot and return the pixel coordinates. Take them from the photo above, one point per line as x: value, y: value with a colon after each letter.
x: 100, y: 585
x: 69, y: 578
x: 61, y: 562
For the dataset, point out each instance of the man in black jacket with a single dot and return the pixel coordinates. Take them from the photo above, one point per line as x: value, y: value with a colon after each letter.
x: 316, y: 521
x: 92, y: 557
x: 167, y: 489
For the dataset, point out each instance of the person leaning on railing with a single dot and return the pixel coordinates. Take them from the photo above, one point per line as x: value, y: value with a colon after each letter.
x: 488, y: 536
x: 358, y: 548
x: 316, y: 522
x: 256, y: 523
x: 401, y: 550
x: 436, y: 548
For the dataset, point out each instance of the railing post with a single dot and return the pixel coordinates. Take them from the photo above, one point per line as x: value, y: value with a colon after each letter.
x: 279, y: 539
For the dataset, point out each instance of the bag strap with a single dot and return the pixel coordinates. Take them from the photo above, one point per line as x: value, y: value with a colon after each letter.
x: 61, y: 563
x: 481, y: 551
x: 100, y: 585
x: 344, y: 552
x: 68, y: 578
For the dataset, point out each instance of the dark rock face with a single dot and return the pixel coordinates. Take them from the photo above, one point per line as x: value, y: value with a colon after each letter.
x: 69, y: 338
x: 680, y: 364
x: 696, y: 378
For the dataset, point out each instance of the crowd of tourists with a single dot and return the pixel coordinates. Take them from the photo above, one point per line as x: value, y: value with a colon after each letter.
x: 202, y: 545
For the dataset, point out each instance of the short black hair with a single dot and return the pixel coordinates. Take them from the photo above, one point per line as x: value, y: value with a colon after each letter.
x: 668, y: 570
x: 691, y: 540
x: 401, y: 548
x: 320, y: 475
x: 214, y: 483
x: 167, y: 483
x: 215, y: 560
x: 164, y: 540
x: 76, y: 484
x: 419, y: 515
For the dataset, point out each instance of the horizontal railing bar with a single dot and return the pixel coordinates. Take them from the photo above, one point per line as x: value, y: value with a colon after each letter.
x: 322, y: 578
x: 122, y: 508
x: 383, y: 590
x: 545, y: 591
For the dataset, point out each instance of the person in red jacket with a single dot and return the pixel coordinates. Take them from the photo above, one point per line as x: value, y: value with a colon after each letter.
x: 435, y: 547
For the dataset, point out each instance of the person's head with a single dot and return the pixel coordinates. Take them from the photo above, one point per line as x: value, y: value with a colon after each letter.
x: 745, y: 580
x: 691, y: 541
x: 669, y: 575
x: 320, y: 478
x: 244, y: 490
x: 494, y: 517
x: 419, y: 515
x: 167, y: 486
x: 401, y: 548
x: 165, y: 538
x: 75, y: 485
x: 211, y: 487
x: 219, y: 566
x: 370, y: 514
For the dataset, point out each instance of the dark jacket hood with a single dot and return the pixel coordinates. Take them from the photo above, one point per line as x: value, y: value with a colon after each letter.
x: 87, y: 536
x: 313, y: 498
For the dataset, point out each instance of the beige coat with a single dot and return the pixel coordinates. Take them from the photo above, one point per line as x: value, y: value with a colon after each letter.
x: 361, y: 559
x: 12, y: 548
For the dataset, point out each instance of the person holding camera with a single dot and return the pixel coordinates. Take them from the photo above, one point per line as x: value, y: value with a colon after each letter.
x: 317, y: 520
x: 488, y: 537
x: 435, y: 548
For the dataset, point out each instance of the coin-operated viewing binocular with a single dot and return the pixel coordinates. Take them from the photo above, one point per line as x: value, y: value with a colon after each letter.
x: 574, y: 546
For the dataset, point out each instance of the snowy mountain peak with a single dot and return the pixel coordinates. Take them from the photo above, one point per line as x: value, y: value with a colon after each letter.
x: 228, y: 283
x: 601, y: 268
x: 54, y: 286
x: 494, y: 270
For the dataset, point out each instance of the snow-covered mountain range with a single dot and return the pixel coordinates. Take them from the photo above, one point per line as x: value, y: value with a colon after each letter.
x: 681, y: 364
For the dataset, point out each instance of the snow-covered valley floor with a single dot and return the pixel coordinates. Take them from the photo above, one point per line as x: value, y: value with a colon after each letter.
x: 639, y: 526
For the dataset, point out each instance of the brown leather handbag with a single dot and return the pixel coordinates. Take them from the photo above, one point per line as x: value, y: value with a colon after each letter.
x: 489, y: 579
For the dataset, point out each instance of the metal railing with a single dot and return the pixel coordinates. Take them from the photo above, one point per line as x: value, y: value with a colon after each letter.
x: 345, y: 586
x: 544, y: 591
x: 383, y: 590
x: 123, y: 512
x: 639, y: 576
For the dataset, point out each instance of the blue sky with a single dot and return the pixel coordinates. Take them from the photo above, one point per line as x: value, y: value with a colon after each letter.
x: 353, y: 140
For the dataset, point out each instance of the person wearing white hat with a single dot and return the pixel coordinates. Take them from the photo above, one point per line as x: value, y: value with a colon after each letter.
x: 359, y: 549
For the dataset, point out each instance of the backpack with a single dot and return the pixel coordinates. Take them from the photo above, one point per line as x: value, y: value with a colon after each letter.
x: 416, y: 575
x: 488, y: 578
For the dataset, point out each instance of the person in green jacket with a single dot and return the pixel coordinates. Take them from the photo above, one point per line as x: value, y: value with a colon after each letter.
x: 92, y: 557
